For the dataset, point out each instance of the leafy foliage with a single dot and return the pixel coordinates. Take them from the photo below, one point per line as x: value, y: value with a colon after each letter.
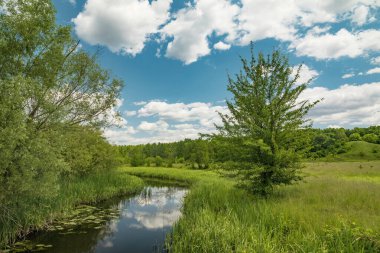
x: 54, y: 98
x: 265, y: 113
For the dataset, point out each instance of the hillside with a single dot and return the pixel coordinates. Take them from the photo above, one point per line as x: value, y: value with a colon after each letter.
x: 361, y: 150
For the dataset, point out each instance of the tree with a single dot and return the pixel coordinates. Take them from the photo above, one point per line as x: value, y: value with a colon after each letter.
x: 265, y: 112
x: 371, y: 138
x: 158, y: 161
x: 53, y: 97
x: 355, y: 137
x: 66, y: 85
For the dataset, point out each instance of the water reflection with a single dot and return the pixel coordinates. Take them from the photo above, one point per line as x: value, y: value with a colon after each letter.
x: 142, y: 225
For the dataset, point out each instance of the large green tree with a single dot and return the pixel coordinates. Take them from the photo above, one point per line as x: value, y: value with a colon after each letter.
x: 53, y: 99
x: 266, y: 111
x: 68, y: 86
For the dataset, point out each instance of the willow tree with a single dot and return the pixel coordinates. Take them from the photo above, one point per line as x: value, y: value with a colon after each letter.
x: 265, y: 114
x: 53, y: 96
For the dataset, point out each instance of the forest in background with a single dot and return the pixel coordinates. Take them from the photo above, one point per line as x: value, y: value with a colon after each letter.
x: 310, y: 144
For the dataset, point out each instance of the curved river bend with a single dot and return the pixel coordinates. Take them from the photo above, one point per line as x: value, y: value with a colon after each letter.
x: 136, y: 224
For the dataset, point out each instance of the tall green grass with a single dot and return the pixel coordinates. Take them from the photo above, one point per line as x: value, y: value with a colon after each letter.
x: 40, y: 212
x: 326, y: 213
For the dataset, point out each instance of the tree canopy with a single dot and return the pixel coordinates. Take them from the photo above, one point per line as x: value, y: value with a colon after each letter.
x: 53, y: 99
x: 265, y: 113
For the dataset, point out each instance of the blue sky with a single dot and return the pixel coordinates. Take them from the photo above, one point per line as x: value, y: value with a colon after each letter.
x: 174, y: 57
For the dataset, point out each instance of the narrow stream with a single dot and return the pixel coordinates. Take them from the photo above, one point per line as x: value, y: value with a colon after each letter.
x: 135, y: 224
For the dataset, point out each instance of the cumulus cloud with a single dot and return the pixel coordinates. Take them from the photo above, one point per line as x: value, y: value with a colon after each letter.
x: 375, y: 60
x: 204, y: 113
x: 348, y: 105
x: 192, y: 26
x: 333, y: 46
x: 126, y: 25
x: 222, y: 46
x: 260, y: 19
x: 138, y: 103
x: 173, y: 133
x: 168, y: 122
x: 130, y: 113
x: 113, y: 116
x: 306, y: 74
x: 360, y: 15
x: 153, y: 126
x: 374, y: 71
x: 348, y: 75
x: 121, y: 25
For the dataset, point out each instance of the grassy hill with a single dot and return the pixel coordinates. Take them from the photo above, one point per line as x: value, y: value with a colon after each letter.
x: 357, y: 151
x: 361, y: 150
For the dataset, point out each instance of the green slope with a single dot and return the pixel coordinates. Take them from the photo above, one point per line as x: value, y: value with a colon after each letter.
x: 361, y: 150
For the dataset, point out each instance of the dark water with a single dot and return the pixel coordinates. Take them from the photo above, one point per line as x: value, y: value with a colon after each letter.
x: 135, y: 224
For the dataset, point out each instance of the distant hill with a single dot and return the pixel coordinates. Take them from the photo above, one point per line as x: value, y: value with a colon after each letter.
x: 361, y: 150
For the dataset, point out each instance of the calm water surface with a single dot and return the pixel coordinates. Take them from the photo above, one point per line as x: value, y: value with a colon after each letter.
x: 137, y: 224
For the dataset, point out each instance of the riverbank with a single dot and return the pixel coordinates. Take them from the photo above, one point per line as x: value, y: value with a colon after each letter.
x: 336, y: 209
x: 71, y: 193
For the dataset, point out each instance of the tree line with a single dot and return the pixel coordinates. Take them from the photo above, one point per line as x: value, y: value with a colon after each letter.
x: 315, y: 143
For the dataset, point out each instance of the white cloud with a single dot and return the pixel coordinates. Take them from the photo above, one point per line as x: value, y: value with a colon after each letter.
x: 73, y: 2
x: 260, y: 19
x: 334, y: 126
x: 153, y: 126
x: 360, y: 15
x: 126, y: 25
x: 375, y: 60
x: 192, y: 26
x: 282, y: 20
x: 112, y: 115
x: 204, y: 113
x: 348, y: 75
x: 186, y: 121
x: 222, y: 46
x: 138, y: 103
x: 333, y: 46
x: 348, y: 105
x: 121, y: 25
x: 171, y: 134
x: 184, y: 126
x: 130, y: 113
x: 374, y: 71
x: 306, y: 73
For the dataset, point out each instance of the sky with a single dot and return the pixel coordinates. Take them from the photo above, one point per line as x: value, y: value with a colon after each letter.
x: 175, y: 56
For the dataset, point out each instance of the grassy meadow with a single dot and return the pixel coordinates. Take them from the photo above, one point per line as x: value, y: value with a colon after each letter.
x: 335, y: 209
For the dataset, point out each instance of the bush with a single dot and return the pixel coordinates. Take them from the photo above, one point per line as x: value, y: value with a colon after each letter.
x: 371, y: 138
x: 159, y: 161
x: 355, y: 137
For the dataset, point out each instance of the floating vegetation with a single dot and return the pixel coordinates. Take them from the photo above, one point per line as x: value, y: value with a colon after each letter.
x: 26, y: 246
x: 82, y: 218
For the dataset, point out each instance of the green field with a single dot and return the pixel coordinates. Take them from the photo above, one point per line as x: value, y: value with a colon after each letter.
x: 335, y: 209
